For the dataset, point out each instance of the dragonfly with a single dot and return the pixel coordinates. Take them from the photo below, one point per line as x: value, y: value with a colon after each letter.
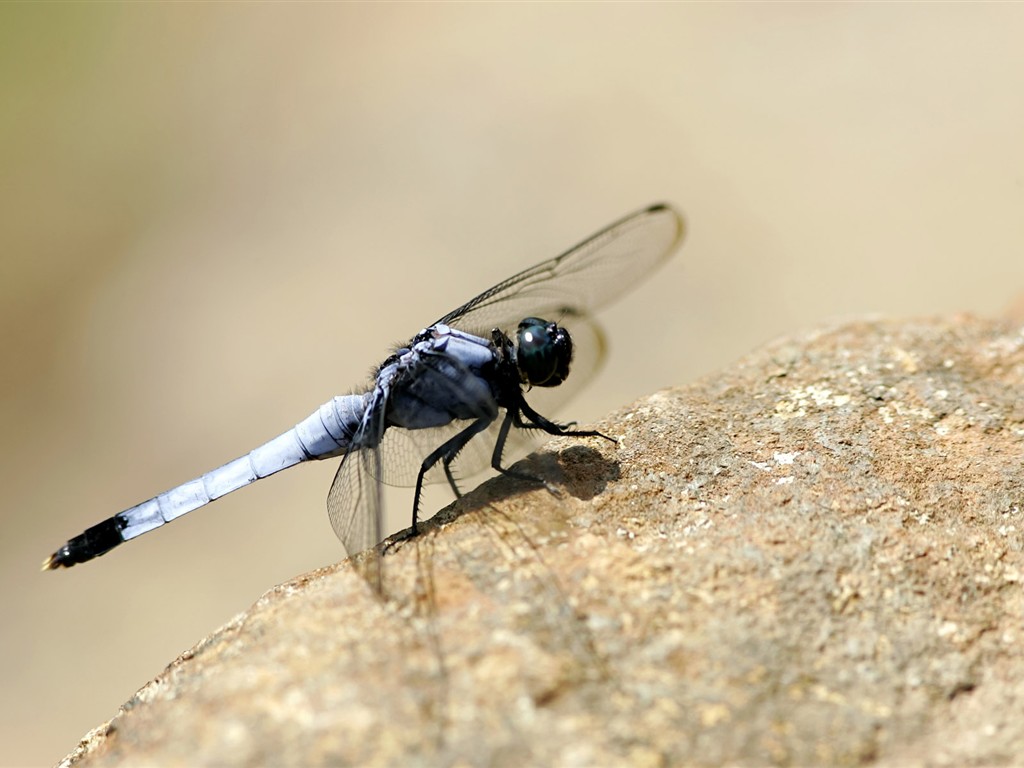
x: 447, y: 403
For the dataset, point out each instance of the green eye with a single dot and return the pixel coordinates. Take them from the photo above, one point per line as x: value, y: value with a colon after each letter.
x: 544, y: 352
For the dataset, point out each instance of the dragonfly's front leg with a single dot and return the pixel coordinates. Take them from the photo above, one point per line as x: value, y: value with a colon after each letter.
x: 511, y: 417
x: 536, y: 421
x: 539, y: 422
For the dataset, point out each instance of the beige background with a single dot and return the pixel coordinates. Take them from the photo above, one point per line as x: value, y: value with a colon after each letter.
x: 215, y: 218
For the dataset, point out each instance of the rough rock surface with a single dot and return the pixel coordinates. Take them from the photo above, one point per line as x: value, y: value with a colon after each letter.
x: 814, y: 557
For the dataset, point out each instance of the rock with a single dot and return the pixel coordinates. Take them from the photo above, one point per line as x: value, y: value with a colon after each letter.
x: 811, y: 558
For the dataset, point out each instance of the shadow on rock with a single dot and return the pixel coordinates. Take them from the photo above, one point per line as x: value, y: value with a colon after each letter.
x: 578, y: 471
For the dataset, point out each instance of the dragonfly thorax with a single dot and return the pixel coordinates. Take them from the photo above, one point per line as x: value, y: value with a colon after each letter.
x: 543, y: 352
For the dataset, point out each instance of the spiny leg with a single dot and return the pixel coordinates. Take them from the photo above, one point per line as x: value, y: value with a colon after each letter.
x: 470, y: 432
x: 447, y: 463
x: 447, y: 451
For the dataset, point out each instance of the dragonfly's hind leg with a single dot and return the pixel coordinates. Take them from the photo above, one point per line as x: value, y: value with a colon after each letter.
x: 446, y: 453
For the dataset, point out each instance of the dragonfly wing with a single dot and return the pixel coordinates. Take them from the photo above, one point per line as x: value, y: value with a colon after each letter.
x: 565, y: 289
x: 354, y: 503
x: 581, y: 280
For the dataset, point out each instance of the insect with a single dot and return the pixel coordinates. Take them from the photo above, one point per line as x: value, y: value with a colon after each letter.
x: 446, y: 403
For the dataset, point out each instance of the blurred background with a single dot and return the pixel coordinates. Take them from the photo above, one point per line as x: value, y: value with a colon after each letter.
x: 214, y: 218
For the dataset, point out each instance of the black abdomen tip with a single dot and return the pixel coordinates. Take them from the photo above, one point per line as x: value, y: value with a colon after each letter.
x: 96, y: 541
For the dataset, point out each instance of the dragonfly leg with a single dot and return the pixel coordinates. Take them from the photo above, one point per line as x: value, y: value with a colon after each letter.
x: 451, y: 478
x: 460, y: 441
x: 536, y: 421
x: 512, y: 418
x: 446, y: 453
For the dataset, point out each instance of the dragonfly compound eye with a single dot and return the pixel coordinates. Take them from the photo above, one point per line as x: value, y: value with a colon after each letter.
x: 544, y: 352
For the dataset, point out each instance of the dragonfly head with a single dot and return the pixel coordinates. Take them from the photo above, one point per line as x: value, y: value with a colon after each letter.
x: 544, y: 352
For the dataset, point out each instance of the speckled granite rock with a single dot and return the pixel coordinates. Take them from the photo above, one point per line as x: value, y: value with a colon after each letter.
x: 814, y: 557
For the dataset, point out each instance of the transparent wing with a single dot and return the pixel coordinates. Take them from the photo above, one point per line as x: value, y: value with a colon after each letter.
x: 354, y: 502
x: 581, y: 280
x: 565, y: 289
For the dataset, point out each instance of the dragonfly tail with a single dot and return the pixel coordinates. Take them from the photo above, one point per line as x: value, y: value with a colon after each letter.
x: 325, y: 433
